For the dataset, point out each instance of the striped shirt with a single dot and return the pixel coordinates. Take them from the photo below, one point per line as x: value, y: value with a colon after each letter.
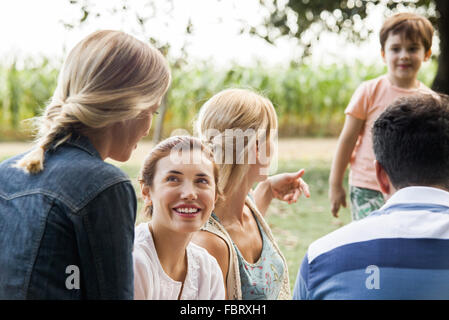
x: 400, y: 251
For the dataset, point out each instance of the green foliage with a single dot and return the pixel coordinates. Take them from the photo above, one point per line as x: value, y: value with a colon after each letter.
x: 310, y: 100
x: 24, y: 92
x: 306, y: 19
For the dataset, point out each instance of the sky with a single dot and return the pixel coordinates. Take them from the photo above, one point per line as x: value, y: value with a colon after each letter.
x: 34, y: 28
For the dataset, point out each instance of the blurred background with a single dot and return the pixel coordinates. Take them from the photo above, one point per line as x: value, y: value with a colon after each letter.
x: 307, y: 56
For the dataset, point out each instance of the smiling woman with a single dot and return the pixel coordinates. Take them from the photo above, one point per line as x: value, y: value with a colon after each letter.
x: 179, y: 188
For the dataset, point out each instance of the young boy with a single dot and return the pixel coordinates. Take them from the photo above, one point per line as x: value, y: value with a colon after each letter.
x: 405, y: 39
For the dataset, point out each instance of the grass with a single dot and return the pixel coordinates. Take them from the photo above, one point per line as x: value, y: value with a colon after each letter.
x: 294, y: 226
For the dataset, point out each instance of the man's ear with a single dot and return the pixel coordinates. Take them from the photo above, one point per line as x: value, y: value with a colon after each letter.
x: 382, y: 178
x: 382, y: 53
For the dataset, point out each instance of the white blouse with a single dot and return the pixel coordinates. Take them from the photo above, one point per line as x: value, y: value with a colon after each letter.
x: 204, y: 279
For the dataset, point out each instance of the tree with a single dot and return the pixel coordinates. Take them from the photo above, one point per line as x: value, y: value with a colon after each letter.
x: 140, y: 16
x: 307, y: 19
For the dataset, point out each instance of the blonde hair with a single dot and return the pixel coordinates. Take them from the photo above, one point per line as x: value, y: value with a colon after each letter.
x: 109, y: 76
x: 234, y: 109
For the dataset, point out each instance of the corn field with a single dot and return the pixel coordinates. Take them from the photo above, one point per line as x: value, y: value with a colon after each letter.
x: 310, y: 100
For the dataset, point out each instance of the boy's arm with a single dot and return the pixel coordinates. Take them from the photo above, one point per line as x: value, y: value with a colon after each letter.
x: 345, y: 147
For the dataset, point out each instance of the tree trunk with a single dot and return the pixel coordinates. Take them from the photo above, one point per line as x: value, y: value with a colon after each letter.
x: 441, y: 82
x: 157, y: 135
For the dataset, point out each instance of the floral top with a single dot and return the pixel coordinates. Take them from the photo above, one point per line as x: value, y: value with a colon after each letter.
x: 204, y: 279
x: 263, y: 279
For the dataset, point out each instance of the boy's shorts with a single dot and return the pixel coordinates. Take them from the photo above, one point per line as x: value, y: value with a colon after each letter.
x: 364, y: 201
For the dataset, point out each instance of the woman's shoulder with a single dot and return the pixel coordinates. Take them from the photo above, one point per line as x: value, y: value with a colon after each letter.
x: 200, y: 253
x: 205, y: 263
x: 80, y: 177
x: 86, y: 166
x: 144, y: 250
x: 205, y: 273
x: 214, y: 249
x: 70, y: 175
x: 210, y: 242
x: 78, y: 159
x: 143, y: 237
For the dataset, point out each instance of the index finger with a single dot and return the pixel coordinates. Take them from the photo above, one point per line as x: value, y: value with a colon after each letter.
x: 304, y: 188
x: 334, y: 210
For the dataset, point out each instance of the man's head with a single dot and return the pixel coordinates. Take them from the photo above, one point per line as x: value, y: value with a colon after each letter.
x: 411, y: 143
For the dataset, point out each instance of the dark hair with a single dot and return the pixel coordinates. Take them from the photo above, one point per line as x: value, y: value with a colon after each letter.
x: 411, y: 141
x: 163, y: 149
x: 414, y: 27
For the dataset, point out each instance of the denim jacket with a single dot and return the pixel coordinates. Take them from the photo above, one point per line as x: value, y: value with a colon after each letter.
x: 68, y: 231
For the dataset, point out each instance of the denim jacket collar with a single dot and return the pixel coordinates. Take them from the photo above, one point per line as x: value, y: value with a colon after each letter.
x: 82, y: 142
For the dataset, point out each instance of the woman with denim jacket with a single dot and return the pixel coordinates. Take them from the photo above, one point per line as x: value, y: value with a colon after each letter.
x: 66, y: 216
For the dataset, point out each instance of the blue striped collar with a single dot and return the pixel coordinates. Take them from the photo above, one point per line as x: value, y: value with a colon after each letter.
x: 416, y: 198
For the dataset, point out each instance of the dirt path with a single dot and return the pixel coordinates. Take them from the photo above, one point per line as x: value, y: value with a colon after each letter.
x: 307, y: 148
x: 288, y: 149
